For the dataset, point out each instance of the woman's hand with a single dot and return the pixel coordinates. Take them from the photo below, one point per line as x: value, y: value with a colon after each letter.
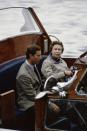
x: 68, y: 73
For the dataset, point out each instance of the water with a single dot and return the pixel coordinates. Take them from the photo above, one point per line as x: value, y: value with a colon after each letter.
x: 66, y: 19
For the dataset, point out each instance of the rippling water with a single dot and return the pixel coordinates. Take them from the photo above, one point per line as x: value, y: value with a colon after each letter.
x: 66, y: 19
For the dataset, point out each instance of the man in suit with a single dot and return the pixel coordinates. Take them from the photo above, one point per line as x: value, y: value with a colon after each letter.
x: 27, y: 82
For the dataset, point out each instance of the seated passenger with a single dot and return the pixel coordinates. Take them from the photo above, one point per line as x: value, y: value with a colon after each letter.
x: 27, y: 82
x: 54, y: 65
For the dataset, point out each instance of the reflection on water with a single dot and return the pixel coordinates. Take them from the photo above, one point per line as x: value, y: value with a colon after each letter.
x: 66, y: 19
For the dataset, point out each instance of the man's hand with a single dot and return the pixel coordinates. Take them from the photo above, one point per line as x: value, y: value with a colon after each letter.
x: 68, y: 73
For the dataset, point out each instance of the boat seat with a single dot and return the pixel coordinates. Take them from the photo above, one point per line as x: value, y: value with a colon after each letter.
x: 8, y: 72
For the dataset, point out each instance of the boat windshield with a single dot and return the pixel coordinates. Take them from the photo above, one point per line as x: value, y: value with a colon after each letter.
x: 16, y: 21
x: 71, y: 113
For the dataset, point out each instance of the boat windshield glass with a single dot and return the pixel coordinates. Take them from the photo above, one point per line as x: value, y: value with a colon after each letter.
x: 71, y: 112
x: 16, y: 21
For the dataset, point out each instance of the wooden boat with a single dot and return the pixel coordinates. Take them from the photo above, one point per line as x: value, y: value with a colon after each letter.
x: 27, y: 29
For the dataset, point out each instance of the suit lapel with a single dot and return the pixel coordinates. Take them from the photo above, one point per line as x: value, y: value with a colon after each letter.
x: 31, y: 72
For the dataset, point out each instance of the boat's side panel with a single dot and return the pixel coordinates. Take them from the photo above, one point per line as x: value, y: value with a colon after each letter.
x: 70, y: 61
x: 7, y: 111
x: 6, y: 50
x: 15, y: 47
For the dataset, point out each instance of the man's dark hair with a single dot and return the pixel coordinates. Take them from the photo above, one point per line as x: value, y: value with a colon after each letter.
x: 56, y: 43
x: 32, y: 49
